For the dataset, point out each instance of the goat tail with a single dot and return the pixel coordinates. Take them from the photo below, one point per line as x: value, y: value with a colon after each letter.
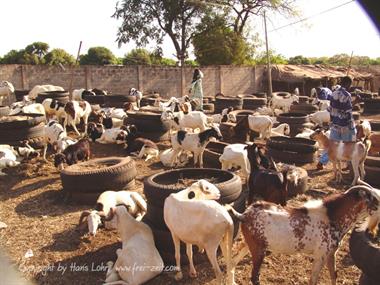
x: 236, y: 214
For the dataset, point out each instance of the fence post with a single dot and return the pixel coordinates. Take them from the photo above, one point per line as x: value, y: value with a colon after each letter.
x: 220, y: 79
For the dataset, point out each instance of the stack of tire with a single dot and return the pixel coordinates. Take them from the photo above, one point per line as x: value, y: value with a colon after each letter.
x: 296, y: 121
x: 303, y: 106
x: 366, y: 256
x: 297, y: 151
x: 4, y: 110
x: 252, y: 102
x: 208, y: 104
x: 222, y: 102
x: 372, y: 170
x: 371, y: 106
x: 16, y: 130
x: 149, y: 125
x: 212, y: 153
x: 94, y: 100
x: 118, y: 100
x: 61, y: 96
x: 84, y: 182
x: 159, y: 186
x: 149, y: 99
x: 20, y: 93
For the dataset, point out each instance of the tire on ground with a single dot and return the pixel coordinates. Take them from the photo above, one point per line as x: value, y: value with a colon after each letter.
x: 4, y: 111
x: 60, y: 96
x: 21, y: 121
x: 119, y: 173
x: 365, y: 254
x: 291, y: 157
x: 212, y: 153
x: 159, y: 186
x: 299, y: 145
x: 225, y: 102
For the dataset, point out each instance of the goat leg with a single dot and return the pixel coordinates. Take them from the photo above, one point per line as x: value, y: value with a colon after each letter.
x: 331, y: 265
x: 176, y: 242
x: 317, y: 267
x: 189, y: 252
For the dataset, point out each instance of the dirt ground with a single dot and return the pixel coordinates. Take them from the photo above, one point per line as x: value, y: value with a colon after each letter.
x: 32, y: 205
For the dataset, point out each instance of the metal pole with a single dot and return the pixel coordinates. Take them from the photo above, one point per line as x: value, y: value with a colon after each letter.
x: 268, y: 59
x: 72, y: 71
x: 349, y: 64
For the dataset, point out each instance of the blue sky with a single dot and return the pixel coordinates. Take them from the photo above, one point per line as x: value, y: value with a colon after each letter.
x: 63, y: 24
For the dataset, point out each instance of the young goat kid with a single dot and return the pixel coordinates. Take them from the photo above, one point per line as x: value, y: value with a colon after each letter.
x: 356, y: 152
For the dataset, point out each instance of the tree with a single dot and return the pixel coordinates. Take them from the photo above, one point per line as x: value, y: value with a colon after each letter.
x: 274, y: 58
x: 150, y: 20
x: 299, y: 59
x: 98, y: 56
x: 37, y: 48
x: 59, y: 56
x: 241, y: 10
x: 339, y: 59
x: 216, y: 43
x: 138, y: 56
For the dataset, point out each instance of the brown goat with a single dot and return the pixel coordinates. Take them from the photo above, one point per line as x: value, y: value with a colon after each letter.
x: 271, y: 185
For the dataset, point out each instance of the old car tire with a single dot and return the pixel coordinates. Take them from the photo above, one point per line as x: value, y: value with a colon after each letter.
x: 60, y: 96
x: 20, y: 93
x: 156, y: 189
x: 299, y: 145
x: 372, y: 175
x: 212, y: 153
x: 26, y: 121
x: 94, y: 100
x: 372, y: 161
x: 225, y: 102
x: 291, y: 157
x: 4, y: 111
x: 118, y: 174
x: 375, y: 125
x: 146, y: 121
x: 209, y: 107
x: 118, y: 101
x: 20, y: 134
x: 293, y: 118
x: 365, y: 254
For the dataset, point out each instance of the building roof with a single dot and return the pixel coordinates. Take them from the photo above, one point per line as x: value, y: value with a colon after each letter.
x: 314, y: 72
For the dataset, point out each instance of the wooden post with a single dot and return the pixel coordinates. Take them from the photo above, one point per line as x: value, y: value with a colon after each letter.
x: 349, y: 64
x: 268, y: 59
x: 72, y: 71
x: 220, y: 79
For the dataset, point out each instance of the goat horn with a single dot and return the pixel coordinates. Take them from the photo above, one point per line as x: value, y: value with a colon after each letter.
x: 83, y: 216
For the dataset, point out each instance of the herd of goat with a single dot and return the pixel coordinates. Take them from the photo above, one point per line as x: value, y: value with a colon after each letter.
x: 316, y: 228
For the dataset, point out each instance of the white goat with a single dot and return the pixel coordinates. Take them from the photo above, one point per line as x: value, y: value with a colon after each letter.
x: 181, y: 121
x: 108, y: 199
x: 7, y: 90
x: 54, y: 108
x: 197, y: 202
x: 235, y: 155
x: 305, y: 133
x: 139, y: 260
x: 261, y: 124
x: 138, y: 94
x: 283, y: 103
x: 166, y: 158
x: 34, y: 108
x: 280, y: 130
x: 320, y: 117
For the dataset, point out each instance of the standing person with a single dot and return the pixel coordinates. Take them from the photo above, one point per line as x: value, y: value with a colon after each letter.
x: 323, y: 93
x: 196, y: 91
x: 342, y: 126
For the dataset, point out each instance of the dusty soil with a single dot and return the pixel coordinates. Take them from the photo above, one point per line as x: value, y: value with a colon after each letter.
x: 38, y: 218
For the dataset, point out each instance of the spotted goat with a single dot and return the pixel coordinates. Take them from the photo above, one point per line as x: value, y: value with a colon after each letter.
x: 316, y: 228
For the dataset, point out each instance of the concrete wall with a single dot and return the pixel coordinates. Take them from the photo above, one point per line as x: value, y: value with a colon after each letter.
x: 119, y: 79
x: 168, y: 81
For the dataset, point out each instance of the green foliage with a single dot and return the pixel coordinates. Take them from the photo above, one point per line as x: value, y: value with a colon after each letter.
x: 14, y: 57
x: 190, y: 62
x: 216, y: 43
x: 98, y: 56
x: 137, y: 56
x: 59, y: 56
x: 274, y: 58
x: 169, y: 62
x: 37, y: 48
x: 299, y: 59
x: 146, y: 21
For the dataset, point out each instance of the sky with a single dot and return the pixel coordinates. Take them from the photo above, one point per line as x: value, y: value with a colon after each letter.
x: 63, y: 24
